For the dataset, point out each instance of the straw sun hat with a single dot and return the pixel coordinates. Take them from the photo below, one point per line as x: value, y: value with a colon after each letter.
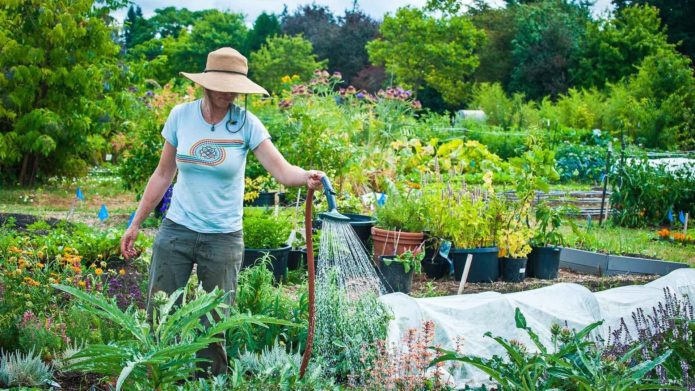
x: 226, y: 71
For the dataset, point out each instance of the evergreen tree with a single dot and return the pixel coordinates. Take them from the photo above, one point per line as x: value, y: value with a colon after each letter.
x: 265, y: 26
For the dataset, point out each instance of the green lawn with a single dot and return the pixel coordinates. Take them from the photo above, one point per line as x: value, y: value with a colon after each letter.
x: 629, y: 241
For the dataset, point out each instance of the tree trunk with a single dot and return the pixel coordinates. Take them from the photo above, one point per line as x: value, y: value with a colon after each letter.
x: 23, y: 172
x: 34, y: 171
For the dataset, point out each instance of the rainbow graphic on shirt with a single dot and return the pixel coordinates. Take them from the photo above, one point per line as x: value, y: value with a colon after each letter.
x: 209, y: 152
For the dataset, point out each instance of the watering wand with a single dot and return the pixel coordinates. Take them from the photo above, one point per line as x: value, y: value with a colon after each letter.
x: 333, y: 215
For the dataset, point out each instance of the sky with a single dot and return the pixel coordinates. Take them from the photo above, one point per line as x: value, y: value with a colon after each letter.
x: 252, y: 8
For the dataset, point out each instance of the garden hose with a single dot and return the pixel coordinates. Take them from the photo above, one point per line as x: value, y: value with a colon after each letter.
x: 310, y: 266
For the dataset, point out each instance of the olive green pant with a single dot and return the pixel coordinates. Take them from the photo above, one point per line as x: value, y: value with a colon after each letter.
x: 218, y: 258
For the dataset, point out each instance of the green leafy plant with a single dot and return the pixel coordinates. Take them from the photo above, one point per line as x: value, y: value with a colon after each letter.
x: 162, y: 353
x: 548, y: 222
x: 402, y: 211
x: 263, y: 229
x: 574, y: 360
x: 409, y: 259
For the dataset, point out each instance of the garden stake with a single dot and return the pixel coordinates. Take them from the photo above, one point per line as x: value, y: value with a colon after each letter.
x: 332, y: 214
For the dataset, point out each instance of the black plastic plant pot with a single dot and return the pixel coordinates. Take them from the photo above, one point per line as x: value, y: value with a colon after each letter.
x: 485, y: 265
x: 295, y: 259
x: 316, y: 258
x: 397, y: 280
x: 267, y: 198
x: 363, y: 227
x: 543, y: 262
x: 434, y: 265
x: 513, y: 269
x: 278, y: 257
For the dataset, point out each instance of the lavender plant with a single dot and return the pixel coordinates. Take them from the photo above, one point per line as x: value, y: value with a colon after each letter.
x: 669, y: 326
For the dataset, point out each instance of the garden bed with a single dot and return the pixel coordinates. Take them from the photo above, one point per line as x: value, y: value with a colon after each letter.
x: 423, y: 287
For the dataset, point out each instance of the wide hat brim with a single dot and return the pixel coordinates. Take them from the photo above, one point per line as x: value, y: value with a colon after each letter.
x: 226, y: 82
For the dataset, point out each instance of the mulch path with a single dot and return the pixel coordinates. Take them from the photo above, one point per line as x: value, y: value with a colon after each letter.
x: 424, y: 287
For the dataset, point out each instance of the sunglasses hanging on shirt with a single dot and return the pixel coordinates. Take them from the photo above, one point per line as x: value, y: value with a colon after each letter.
x: 236, y: 118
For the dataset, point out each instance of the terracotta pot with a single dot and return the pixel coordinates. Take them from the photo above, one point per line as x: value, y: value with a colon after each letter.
x: 385, y: 241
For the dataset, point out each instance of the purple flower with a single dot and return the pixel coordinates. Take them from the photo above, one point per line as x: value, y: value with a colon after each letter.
x: 360, y: 95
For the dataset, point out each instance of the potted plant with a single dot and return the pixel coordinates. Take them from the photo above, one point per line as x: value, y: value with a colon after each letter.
x: 544, y: 259
x: 514, y: 246
x: 261, y: 191
x: 266, y: 233
x: 351, y: 207
x: 399, y: 224
x: 469, y: 218
x: 398, y: 270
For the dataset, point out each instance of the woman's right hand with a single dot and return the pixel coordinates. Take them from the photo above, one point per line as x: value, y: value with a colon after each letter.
x: 128, y: 241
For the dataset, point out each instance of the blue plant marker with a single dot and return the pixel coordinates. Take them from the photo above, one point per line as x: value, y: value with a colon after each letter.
x: 472, y: 163
x: 103, y: 213
x: 681, y: 217
x: 444, y: 250
x: 130, y: 220
x: 669, y: 216
x: 79, y: 195
x: 588, y: 221
x: 382, y: 199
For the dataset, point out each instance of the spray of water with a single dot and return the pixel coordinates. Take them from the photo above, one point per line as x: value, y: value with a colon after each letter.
x: 349, y: 316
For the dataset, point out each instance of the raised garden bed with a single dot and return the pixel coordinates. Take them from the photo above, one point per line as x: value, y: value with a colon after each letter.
x: 601, y: 264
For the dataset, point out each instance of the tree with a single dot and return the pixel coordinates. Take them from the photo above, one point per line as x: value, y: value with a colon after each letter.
x: 265, y: 26
x: 420, y: 49
x: 496, y: 54
x: 547, y: 40
x: 55, y: 67
x: 615, y: 47
x: 283, y: 56
x: 136, y: 28
x: 170, y: 21
x: 316, y: 24
x: 677, y: 15
x: 349, y: 55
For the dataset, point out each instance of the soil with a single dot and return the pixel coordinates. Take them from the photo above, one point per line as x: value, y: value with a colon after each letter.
x: 424, y: 287
x: 73, y: 381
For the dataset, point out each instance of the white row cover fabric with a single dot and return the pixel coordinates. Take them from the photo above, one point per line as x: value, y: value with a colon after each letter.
x: 470, y: 316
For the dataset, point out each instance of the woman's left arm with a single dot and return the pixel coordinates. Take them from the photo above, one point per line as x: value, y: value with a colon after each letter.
x: 284, y: 172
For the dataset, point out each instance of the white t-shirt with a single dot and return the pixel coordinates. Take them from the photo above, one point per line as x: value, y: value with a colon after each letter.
x: 208, y: 195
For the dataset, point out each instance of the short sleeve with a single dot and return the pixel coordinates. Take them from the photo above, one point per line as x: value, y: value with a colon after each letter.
x: 255, y: 131
x: 169, y: 130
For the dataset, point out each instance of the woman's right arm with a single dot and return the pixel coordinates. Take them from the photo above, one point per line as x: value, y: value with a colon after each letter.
x: 156, y: 187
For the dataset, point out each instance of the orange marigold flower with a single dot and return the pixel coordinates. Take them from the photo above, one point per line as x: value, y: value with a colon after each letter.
x: 98, y: 271
x: 39, y: 264
x: 77, y: 269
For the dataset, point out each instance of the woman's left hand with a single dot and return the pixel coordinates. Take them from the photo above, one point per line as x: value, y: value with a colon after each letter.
x: 313, y: 180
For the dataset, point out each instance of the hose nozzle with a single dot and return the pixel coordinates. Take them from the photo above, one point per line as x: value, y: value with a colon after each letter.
x: 332, y: 213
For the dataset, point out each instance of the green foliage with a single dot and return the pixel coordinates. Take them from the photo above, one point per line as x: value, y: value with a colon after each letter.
x: 283, y: 56
x: 548, y: 36
x: 421, y: 49
x: 24, y: 370
x: 615, y: 47
x: 676, y: 15
x: 257, y: 295
x: 507, y: 113
x: 262, y: 229
x: 573, y: 359
x: 496, y: 53
x: 265, y: 26
x: 402, y: 211
x: 409, y: 259
x: 577, y: 162
x: 548, y: 221
x: 58, y: 82
x: 643, y: 194
x: 159, y: 354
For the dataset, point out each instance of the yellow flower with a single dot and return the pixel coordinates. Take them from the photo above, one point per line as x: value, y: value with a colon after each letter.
x: 98, y: 271
x: 40, y: 265
x: 82, y: 284
x: 286, y: 79
x: 77, y: 269
x: 102, y: 263
x: 18, y: 271
x: 122, y: 272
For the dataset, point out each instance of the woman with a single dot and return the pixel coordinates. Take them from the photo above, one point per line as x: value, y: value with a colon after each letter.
x: 207, y: 140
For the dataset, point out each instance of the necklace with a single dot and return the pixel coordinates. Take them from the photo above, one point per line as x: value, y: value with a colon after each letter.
x: 230, y: 123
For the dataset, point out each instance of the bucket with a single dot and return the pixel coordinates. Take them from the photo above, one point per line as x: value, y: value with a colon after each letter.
x: 513, y: 269
x: 543, y: 262
x: 484, y: 266
x: 385, y: 242
x: 294, y: 259
x: 278, y: 258
x: 397, y: 280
